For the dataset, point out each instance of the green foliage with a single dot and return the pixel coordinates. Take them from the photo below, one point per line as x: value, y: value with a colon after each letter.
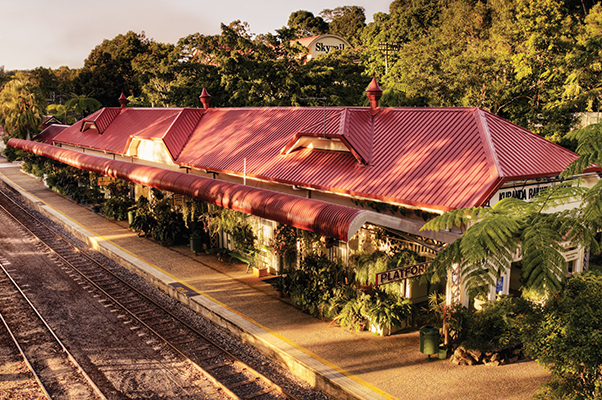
x: 367, y: 265
x: 567, y: 338
x: 108, y: 70
x: 144, y: 220
x: 60, y: 112
x: 302, y: 24
x: 192, y: 211
x: 346, y: 21
x: 13, y: 154
x: 243, y: 239
x: 314, y: 284
x: 387, y: 310
x: 284, y: 243
x: 494, y: 235
x: 21, y: 108
x: 117, y: 207
x: 353, y: 314
x: 62, y: 179
x: 498, y: 325
x: 169, y: 228
x: 82, y: 105
x: 34, y: 164
x: 450, y: 318
x: 119, y: 202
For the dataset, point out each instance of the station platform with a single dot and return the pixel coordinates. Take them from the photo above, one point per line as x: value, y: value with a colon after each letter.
x: 342, y: 363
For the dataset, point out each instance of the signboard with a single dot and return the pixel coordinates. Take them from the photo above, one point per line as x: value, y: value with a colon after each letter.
x: 399, y: 274
x: 326, y: 44
x: 522, y: 192
x: 499, y: 285
x: 178, y: 200
x: 571, y: 255
x: 105, y: 180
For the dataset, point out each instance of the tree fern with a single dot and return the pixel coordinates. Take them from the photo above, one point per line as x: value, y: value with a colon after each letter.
x: 542, y: 260
x: 589, y: 149
x: 493, y: 235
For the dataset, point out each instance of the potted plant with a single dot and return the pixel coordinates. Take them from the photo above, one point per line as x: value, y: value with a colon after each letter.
x: 353, y: 314
x: 284, y: 244
x: 196, y: 241
x: 387, y: 313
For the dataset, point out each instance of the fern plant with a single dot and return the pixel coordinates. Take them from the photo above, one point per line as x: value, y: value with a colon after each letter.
x: 494, y: 235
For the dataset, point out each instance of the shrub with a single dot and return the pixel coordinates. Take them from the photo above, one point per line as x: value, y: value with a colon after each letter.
x: 498, y: 325
x: 567, y: 338
x: 387, y: 310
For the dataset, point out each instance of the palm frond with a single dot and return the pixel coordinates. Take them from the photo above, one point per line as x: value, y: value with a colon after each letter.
x: 493, y: 238
x: 592, y: 210
x: 443, y: 262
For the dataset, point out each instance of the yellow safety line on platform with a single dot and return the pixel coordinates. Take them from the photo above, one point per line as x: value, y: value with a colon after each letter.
x: 202, y: 293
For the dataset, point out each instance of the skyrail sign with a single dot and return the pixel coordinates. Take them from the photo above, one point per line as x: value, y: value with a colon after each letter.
x: 399, y: 274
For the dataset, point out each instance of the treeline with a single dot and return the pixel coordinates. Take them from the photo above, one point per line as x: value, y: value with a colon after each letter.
x: 534, y: 62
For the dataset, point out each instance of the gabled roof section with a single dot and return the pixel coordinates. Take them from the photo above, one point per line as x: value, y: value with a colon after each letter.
x: 172, y: 128
x: 100, y: 120
x: 47, y: 135
x: 119, y: 126
x: 181, y: 129
x: 351, y: 127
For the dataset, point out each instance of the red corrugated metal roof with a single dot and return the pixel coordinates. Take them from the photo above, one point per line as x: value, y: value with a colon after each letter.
x: 103, y: 118
x: 48, y: 134
x: 117, y: 126
x: 435, y: 158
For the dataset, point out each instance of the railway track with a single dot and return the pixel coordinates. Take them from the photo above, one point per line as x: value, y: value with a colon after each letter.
x: 56, y: 371
x: 166, y: 332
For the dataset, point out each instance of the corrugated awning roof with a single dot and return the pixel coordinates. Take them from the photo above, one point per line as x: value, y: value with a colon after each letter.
x: 326, y: 219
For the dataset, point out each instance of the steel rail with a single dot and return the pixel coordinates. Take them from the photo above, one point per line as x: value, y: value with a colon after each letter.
x: 233, y: 358
x: 70, y: 357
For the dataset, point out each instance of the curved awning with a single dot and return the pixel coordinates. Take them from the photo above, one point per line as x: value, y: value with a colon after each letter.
x: 332, y: 220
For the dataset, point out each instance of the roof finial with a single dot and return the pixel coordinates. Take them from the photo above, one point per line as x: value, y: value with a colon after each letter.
x: 123, y: 100
x: 374, y: 93
x: 205, y: 98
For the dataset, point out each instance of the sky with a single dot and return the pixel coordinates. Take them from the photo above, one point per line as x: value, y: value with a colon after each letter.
x: 51, y: 34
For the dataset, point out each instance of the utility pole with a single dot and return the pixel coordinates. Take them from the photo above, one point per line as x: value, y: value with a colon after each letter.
x: 385, y: 48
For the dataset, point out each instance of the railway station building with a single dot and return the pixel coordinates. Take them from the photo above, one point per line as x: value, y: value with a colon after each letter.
x: 340, y: 172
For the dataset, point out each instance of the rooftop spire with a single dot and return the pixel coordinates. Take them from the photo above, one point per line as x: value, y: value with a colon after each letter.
x: 374, y: 93
x: 123, y: 100
x: 205, y: 98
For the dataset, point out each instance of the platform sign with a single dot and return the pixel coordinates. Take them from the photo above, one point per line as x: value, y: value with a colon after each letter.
x: 185, y: 290
x: 499, y: 285
x: 571, y: 255
x: 105, y: 180
x: 399, y: 274
x: 178, y: 200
